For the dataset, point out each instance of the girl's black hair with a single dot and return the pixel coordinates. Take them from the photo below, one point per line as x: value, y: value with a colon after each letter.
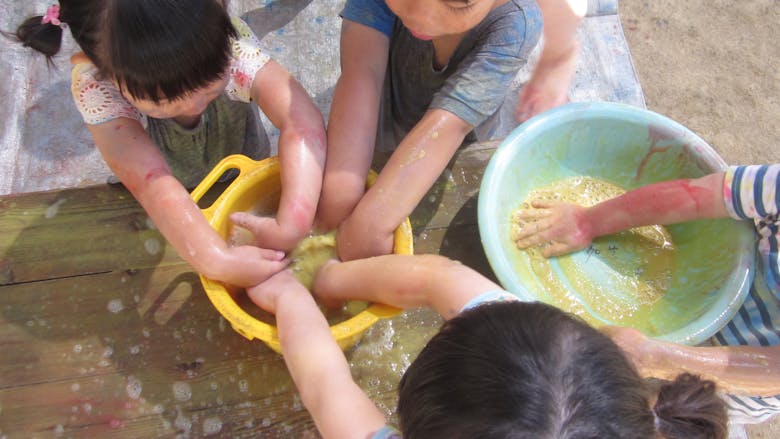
x: 528, y: 370
x: 153, y: 49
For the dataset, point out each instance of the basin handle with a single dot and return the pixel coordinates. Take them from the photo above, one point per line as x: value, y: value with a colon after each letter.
x: 234, y: 161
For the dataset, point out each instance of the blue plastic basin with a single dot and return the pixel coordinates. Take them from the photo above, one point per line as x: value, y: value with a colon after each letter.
x: 629, y: 147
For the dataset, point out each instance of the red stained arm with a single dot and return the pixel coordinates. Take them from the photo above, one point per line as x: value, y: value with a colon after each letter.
x: 301, y: 153
x: 666, y: 202
x: 135, y: 160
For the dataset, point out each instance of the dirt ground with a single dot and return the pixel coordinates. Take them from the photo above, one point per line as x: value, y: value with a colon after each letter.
x: 713, y: 66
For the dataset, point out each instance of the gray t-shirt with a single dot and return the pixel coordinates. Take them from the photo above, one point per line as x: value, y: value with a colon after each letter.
x: 474, y: 82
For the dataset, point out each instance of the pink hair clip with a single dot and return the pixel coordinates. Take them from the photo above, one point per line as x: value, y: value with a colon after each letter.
x: 52, y: 16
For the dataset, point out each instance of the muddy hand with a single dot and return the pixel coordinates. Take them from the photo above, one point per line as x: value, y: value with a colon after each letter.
x: 559, y: 228
x: 266, y: 230
x: 247, y: 265
x: 265, y: 293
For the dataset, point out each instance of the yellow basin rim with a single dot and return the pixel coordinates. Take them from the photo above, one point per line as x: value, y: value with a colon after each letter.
x: 346, y: 333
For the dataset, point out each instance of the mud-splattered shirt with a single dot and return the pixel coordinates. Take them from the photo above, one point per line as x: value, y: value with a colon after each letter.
x: 751, y: 193
x: 475, y: 80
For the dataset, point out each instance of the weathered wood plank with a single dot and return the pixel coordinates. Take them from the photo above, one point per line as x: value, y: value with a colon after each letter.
x: 106, y: 335
x: 75, y: 232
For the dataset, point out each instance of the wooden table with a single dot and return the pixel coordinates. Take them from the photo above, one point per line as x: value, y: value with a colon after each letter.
x: 106, y: 332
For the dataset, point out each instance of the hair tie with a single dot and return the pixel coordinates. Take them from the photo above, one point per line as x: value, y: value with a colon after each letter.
x: 52, y: 16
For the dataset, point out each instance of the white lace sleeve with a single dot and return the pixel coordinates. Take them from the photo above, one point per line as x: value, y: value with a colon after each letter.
x: 99, y: 101
x: 248, y: 58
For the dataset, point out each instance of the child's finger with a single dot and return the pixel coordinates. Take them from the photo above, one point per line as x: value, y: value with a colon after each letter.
x: 530, y: 241
x: 556, y: 249
x: 532, y: 229
x: 249, y: 221
x: 532, y: 214
x: 544, y: 204
x: 272, y: 255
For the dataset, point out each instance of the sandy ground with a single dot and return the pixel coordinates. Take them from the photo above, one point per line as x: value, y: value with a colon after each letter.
x: 714, y: 66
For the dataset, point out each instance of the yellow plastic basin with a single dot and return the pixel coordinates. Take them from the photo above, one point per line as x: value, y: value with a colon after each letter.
x: 258, y: 184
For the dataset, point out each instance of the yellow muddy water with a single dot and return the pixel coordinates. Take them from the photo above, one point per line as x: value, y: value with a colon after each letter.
x: 618, y: 278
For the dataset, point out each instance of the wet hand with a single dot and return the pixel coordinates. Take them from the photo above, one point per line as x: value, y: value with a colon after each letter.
x: 548, y: 86
x: 267, y: 231
x: 245, y: 265
x: 560, y: 228
x: 356, y: 239
x: 266, y: 293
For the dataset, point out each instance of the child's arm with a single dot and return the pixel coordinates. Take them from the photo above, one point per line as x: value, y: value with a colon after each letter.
x: 353, y: 121
x: 746, y: 370
x: 408, y: 175
x: 568, y: 227
x: 136, y: 161
x: 301, y: 154
x: 339, y: 407
x: 549, y: 83
x: 404, y: 281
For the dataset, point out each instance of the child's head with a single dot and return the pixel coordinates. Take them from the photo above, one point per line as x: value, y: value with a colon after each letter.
x: 529, y: 370
x: 158, y: 51
x: 428, y: 19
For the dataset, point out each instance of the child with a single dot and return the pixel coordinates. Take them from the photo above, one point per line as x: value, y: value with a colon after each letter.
x: 437, y: 69
x: 748, y: 362
x: 499, y: 368
x: 164, y: 87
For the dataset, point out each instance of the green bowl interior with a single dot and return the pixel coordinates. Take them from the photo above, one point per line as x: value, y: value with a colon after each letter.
x: 629, y: 147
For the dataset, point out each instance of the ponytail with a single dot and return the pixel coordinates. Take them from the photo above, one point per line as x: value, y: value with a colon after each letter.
x: 690, y: 408
x: 43, y: 37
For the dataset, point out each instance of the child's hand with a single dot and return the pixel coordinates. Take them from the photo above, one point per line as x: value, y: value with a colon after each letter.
x: 265, y: 294
x: 548, y: 86
x: 245, y: 265
x: 358, y: 239
x: 268, y: 232
x: 564, y: 228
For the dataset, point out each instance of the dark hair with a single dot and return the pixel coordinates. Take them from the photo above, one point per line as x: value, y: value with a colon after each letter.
x: 151, y: 48
x: 528, y: 370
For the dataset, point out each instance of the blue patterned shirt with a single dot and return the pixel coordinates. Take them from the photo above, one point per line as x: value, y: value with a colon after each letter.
x: 751, y: 193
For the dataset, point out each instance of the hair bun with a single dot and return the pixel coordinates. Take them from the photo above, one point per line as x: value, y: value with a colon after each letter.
x: 43, y: 37
x: 690, y: 408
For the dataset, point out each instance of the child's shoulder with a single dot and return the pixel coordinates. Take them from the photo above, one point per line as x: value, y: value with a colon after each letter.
x: 513, y: 21
x: 248, y: 59
x: 97, y: 99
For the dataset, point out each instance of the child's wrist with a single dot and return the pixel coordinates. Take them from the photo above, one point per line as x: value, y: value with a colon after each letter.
x: 590, y: 225
x: 210, y: 261
x: 319, y: 285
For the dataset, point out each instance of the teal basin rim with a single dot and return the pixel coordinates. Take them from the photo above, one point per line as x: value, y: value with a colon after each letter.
x: 504, y: 160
